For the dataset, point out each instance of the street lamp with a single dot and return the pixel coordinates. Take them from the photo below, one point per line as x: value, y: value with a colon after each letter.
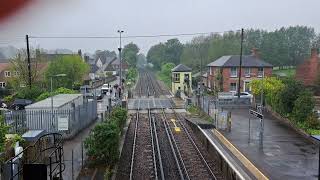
x: 120, y: 48
x: 51, y: 77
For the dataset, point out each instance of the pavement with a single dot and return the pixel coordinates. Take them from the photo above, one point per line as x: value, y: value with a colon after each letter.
x: 75, y: 146
x: 285, y: 154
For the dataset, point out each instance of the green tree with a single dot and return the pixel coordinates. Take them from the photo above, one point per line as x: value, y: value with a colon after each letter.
x: 165, y: 73
x: 303, y: 106
x: 71, y: 65
x: 103, y: 142
x: 288, y: 95
x: 156, y: 55
x: 130, y: 53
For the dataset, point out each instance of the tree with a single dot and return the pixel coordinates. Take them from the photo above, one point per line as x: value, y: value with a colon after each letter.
x: 165, y: 73
x: 173, y: 51
x: 289, y: 94
x: 156, y: 55
x: 20, y: 72
x: 71, y: 65
x: 102, y: 144
x: 142, y: 60
x: 303, y: 106
x: 130, y: 53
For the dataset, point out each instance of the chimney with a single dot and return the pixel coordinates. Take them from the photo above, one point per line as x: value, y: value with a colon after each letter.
x: 314, y: 53
x: 255, y: 52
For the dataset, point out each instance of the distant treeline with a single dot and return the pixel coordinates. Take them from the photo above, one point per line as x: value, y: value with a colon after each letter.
x: 287, y: 46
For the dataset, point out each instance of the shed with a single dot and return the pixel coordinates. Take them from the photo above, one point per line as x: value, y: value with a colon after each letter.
x: 39, y: 116
x: 60, y: 102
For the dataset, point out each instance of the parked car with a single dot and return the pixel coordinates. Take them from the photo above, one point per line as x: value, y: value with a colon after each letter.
x: 98, y: 94
x: 19, y: 104
x: 106, y: 88
x: 86, y: 90
x: 244, y: 95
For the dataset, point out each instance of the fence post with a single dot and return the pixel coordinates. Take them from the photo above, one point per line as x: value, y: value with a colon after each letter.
x: 72, y: 164
x: 82, y: 154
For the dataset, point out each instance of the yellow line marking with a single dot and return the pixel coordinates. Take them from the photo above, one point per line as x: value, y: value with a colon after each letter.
x: 245, y: 161
x: 177, y: 129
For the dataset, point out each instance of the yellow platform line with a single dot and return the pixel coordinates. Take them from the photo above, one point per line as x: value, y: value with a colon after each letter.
x: 245, y: 161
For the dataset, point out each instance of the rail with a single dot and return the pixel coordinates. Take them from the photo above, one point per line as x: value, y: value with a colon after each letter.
x: 194, y: 144
x: 155, y: 141
x: 134, y: 145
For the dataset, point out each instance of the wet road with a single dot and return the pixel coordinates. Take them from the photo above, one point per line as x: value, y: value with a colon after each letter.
x: 285, y: 153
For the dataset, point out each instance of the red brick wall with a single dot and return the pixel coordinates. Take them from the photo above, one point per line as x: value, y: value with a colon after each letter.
x: 227, y: 79
x: 308, y: 71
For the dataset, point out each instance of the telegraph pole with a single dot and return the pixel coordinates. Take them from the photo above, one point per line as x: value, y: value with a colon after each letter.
x: 240, y: 64
x: 29, y: 64
x: 120, y: 48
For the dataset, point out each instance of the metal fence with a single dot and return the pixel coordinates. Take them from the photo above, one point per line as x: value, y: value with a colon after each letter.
x: 78, y: 118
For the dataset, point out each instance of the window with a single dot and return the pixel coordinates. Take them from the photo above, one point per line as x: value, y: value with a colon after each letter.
x: 260, y: 72
x: 2, y: 84
x: 210, y: 71
x: 247, y: 87
x: 186, y: 78
x: 247, y: 72
x: 233, y: 86
x: 176, y: 77
x: 15, y: 73
x: 7, y: 74
x: 234, y: 72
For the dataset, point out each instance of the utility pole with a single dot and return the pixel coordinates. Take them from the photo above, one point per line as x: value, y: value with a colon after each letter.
x: 120, y: 48
x: 240, y: 64
x: 29, y: 64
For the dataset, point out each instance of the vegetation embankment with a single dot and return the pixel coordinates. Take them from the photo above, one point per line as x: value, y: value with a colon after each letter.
x: 103, y: 142
x: 289, y: 98
x: 165, y: 74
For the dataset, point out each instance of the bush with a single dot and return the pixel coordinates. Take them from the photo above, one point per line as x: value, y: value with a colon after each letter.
x: 29, y: 93
x: 3, y: 131
x: 8, y: 99
x: 102, y: 144
x: 303, y: 107
x: 119, y: 115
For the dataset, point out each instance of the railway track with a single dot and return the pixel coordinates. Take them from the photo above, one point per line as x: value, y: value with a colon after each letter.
x: 146, y: 161
x: 191, y: 162
x: 148, y: 86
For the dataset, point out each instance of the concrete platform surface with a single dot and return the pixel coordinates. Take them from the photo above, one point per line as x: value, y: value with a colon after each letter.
x: 285, y: 153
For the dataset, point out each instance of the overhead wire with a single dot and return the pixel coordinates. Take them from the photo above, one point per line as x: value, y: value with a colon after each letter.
x: 132, y: 36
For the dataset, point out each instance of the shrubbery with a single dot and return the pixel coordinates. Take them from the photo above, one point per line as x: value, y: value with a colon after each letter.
x: 290, y: 99
x: 103, y: 143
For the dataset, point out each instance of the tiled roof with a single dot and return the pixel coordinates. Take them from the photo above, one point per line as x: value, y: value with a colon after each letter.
x: 4, y: 66
x: 181, y: 68
x: 234, y: 60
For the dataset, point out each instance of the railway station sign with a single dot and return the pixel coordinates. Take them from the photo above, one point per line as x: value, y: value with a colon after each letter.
x: 63, y: 123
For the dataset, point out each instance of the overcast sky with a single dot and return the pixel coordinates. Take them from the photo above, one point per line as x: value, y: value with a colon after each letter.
x: 147, y: 17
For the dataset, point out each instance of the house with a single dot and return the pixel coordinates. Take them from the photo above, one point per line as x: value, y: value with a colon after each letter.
x: 110, y: 70
x: 181, y: 79
x: 93, y: 69
x: 116, y: 65
x: 308, y: 71
x: 223, y: 73
x: 5, y: 73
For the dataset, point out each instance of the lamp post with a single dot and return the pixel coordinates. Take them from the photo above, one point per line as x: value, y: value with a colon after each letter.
x: 120, y: 48
x: 51, y: 77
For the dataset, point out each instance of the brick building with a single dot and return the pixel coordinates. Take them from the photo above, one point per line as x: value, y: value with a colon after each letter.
x: 308, y: 71
x: 223, y: 73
